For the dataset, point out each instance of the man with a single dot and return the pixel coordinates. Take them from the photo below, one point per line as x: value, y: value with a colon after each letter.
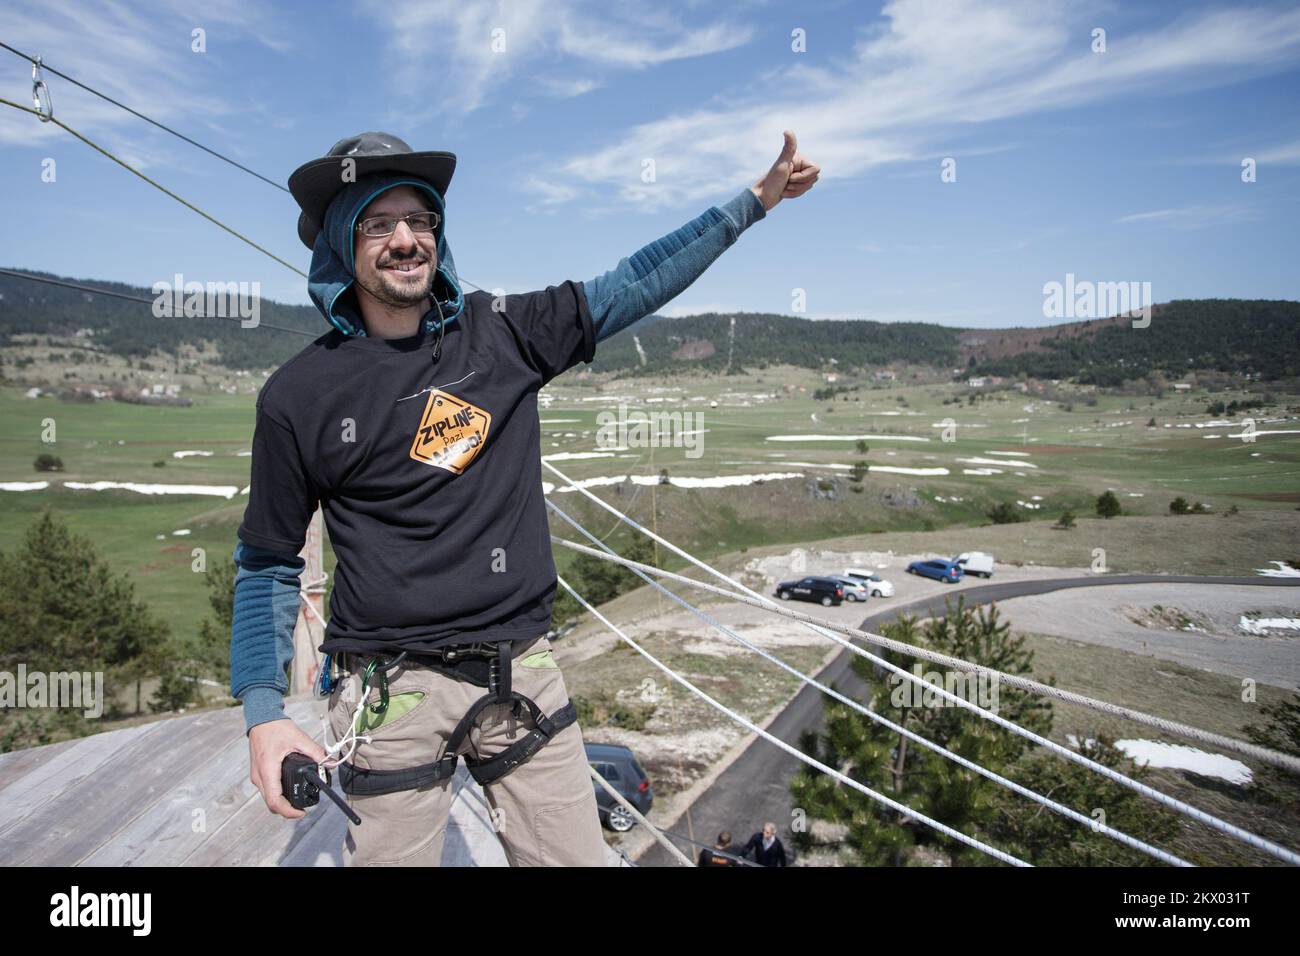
x: 413, y: 424
x: 721, y: 854
x: 766, y: 848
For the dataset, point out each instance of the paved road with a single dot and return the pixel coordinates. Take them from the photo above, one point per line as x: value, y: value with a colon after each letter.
x: 755, y: 788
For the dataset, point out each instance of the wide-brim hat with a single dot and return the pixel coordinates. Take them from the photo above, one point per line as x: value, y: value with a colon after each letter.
x: 314, y: 184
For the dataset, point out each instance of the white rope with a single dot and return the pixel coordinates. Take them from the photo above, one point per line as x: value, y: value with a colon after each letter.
x: 309, y: 606
x: 817, y: 764
x: 1092, y: 824
x: 820, y: 627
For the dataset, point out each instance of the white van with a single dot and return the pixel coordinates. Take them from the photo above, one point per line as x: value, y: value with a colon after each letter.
x: 975, y: 562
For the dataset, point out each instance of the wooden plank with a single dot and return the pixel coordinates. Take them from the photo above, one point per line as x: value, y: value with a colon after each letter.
x: 181, y: 819
x: 84, y: 817
x: 71, y: 769
x: 18, y: 763
x: 197, y: 807
x: 249, y: 834
x: 128, y: 797
x: 253, y: 836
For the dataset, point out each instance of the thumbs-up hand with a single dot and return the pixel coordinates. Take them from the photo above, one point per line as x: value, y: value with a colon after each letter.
x: 792, y: 175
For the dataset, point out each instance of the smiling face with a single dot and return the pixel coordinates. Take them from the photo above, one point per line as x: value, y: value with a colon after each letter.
x: 398, y: 270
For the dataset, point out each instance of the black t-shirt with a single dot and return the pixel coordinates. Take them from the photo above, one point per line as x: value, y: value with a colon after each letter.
x: 428, y: 472
x: 712, y: 859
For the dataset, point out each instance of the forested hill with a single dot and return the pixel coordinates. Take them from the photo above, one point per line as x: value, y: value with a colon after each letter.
x: 130, y: 329
x: 1225, y: 334
x: 708, y: 341
x: 1230, y: 335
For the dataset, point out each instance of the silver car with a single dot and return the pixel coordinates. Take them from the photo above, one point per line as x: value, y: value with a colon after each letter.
x: 854, y: 590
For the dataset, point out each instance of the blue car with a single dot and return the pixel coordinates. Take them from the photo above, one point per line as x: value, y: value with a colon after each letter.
x: 945, y: 571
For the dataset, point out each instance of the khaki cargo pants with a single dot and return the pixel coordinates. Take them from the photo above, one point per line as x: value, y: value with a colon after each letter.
x: 544, y: 811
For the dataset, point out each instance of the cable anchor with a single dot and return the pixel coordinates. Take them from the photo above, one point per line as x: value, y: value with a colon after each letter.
x: 41, y: 99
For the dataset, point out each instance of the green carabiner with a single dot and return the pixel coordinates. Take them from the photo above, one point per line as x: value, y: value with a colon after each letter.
x: 382, y: 706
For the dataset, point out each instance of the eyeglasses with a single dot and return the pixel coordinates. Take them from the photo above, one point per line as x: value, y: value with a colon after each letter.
x: 379, y: 226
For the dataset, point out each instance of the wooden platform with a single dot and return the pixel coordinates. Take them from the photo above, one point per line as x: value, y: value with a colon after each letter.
x: 175, y: 792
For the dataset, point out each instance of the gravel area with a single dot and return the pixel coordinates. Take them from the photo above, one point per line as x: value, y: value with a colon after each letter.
x: 1195, y: 625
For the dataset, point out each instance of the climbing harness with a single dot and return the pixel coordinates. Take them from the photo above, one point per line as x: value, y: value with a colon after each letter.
x: 484, y: 665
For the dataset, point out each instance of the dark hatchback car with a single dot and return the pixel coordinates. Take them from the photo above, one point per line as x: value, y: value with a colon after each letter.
x: 619, y: 767
x: 825, y: 591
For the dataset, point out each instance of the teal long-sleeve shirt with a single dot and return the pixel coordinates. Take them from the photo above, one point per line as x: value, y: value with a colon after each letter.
x: 267, y: 583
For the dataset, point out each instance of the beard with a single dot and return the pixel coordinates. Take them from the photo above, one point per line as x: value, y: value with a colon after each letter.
x: 392, y: 289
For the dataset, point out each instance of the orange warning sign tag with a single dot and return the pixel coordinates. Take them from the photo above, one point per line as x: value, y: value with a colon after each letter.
x: 451, y: 434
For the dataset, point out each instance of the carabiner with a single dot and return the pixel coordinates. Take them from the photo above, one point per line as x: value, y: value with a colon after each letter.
x: 373, y: 666
x: 41, y: 99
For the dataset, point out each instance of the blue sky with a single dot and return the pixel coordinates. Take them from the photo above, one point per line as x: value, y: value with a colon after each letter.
x: 1123, y: 165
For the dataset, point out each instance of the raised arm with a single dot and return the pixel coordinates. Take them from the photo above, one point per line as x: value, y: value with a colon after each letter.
x: 659, y: 272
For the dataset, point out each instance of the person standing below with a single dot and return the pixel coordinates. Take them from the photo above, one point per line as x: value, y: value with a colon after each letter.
x: 721, y: 854
x: 766, y: 847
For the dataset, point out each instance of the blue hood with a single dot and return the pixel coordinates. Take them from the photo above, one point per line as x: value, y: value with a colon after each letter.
x: 332, y: 257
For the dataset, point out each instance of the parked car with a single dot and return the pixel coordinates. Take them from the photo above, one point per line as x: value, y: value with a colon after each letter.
x: 877, y: 585
x: 975, y: 562
x: 945, y: 571
x: 825, y: 591
x: 619, y: 767
x: 854, y: 590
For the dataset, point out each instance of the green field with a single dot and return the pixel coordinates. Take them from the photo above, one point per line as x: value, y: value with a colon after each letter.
x: 1077, y: 454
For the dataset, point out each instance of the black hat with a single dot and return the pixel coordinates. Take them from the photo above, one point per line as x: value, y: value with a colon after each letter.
x: 315, y: 184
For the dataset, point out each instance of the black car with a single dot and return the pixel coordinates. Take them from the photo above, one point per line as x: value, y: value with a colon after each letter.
x: 619, y: 768
x: 825, y: 591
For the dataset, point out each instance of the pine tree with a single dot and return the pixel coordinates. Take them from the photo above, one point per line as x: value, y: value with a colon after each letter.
x: 885, y: 761
x: 1045, y: 838
x: 1108, y: 505
x: 62, y: 609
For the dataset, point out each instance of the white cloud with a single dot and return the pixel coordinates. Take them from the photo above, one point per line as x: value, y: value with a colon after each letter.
x: 478, y: 47
x: 1286, y: 154
x: 1194, y: 217
x: 920, y: 78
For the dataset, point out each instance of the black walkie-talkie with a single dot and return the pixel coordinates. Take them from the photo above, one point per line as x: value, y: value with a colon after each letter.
x: 302, y: 785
